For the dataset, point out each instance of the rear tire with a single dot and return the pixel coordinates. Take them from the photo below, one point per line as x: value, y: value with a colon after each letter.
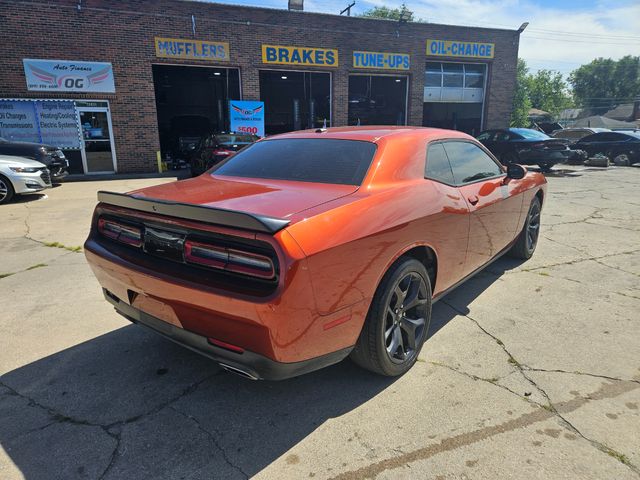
x: 398, y: 320
x: 6, y: 190
x: 528, y: 239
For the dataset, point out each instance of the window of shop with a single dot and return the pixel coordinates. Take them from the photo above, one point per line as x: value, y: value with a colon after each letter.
x: 377, y: 100
x: 454, y: 96
x: 295, y: 100
x: 192, y: 102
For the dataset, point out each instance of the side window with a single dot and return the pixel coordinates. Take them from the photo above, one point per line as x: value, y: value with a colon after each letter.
x: 469, y: 163
x: 484, y: 136
x: 438, y: 167
x: 502, y: 137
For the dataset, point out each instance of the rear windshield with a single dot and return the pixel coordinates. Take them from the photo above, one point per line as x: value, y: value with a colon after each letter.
x: 528, y: 133
x: 326, y: 160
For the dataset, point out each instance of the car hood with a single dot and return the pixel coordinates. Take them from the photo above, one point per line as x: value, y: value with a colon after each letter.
x: 273, y: 198
x: 27, y: 145
x: 21, y: 161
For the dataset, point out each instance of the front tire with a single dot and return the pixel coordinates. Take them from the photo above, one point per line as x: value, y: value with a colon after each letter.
x: 528, y: 239
x: 6, y: 190
x: 398, y: 320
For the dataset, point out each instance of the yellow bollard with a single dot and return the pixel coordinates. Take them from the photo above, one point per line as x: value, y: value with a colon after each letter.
x: 161, y: 164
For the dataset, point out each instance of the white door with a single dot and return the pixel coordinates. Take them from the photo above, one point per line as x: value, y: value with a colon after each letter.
x: 98, y: 152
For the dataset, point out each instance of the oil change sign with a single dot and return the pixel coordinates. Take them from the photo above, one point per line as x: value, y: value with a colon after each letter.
x: 68, y: 76
x: 312, y: 57
x: 192, y: 49
x: 381, y: 60
x: 454, y: 48
x: 247, y: 117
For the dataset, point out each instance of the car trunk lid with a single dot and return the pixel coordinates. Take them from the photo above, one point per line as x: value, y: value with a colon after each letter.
x: 269, y: 198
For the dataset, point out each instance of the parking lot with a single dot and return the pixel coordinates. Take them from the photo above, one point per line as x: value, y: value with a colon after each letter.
x: 531, y: 370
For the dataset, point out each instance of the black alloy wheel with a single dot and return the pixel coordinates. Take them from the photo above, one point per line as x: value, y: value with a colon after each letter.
x: 405, y: 318
x: 528, y: 238
x: 398, y: 320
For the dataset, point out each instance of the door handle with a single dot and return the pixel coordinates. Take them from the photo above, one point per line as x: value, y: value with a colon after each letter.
x: 473, y: 199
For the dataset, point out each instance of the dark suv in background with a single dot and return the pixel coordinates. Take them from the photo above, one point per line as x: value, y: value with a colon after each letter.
x: 525, y: 147
x: 48, y: 155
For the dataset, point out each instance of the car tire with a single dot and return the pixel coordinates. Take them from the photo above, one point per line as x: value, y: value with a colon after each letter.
x: 6, y: 190
x: 528, y: 238
x: 393, y: 333
x: 509, y: 158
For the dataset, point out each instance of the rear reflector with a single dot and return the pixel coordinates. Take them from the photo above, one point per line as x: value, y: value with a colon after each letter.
x: 120, y: 232
x: 228, y: 259
x: 225, y: 345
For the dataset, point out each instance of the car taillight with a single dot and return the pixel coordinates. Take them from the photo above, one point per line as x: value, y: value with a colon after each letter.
x: 229, y: 259
x: 222, y: 152
x: 120, y: 232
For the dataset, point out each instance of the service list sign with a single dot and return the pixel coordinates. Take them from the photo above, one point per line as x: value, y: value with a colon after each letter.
x: 247, y: 117
x: 53, y: 122
x: 68, y: 76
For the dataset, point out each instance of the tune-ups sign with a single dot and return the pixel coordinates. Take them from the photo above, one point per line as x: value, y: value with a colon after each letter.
x: 68, y: 76
x: 247, y: 117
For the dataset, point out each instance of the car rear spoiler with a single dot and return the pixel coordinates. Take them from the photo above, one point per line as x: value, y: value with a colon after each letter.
x: 228, y: 218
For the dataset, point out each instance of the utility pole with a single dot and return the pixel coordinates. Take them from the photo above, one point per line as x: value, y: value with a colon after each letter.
x: 348, y: 9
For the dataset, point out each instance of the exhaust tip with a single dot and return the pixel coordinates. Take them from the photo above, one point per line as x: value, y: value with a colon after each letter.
x: 238, y: 371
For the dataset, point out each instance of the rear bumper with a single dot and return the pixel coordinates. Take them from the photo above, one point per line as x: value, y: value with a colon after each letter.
x: 248, y: 364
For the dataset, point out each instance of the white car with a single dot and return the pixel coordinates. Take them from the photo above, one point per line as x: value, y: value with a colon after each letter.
x: 20, y: 175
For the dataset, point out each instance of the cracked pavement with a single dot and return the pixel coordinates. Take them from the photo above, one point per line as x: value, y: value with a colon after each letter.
x: 532, y: 370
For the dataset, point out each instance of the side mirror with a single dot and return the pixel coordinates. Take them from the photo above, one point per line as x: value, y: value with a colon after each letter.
x: 516, y: 171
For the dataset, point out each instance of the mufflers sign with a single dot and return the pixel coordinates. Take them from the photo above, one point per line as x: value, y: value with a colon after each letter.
x: 68, y: 76
x: 312, y: 57
x: 192, y: 49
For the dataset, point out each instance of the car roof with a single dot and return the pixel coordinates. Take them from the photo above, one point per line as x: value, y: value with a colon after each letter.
x: 374, y: 133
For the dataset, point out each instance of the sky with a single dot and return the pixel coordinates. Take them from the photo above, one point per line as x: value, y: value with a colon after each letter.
x: 561, y: 36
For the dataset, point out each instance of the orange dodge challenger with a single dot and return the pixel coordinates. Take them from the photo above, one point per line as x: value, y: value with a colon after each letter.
x: 307, y: 247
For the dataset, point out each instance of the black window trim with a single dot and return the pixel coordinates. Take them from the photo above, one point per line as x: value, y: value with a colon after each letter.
x: 464, y: 140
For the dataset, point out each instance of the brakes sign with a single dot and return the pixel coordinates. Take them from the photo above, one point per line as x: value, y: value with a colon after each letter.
x: 285, y: 55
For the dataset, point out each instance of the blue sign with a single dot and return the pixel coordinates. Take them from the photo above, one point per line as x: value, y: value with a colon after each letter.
x: 247, y: 117
x: 53, y: 122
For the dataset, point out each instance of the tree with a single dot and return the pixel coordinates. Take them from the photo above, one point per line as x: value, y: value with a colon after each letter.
x: 389, y: 13
x: 521, y: 102
x: 548, y: 91
x: 605, y: 82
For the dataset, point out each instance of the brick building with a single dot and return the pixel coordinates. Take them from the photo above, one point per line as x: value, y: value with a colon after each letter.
x: 148, y: 69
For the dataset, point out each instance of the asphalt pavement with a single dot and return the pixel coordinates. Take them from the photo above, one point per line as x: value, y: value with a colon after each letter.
x: 532, y: 370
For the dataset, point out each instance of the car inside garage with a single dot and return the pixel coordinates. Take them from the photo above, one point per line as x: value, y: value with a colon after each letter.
x: 295, y: 100
x: 192, y: 102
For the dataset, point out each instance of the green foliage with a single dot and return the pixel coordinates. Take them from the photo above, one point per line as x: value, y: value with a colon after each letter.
x: 548, y: 91
x: 545, y: 90
x: 389, y: 13
x: 521, y: 102
x: 605, y: 82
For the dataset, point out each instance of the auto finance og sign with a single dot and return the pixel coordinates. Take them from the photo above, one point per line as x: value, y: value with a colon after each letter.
x: 68, y: 76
